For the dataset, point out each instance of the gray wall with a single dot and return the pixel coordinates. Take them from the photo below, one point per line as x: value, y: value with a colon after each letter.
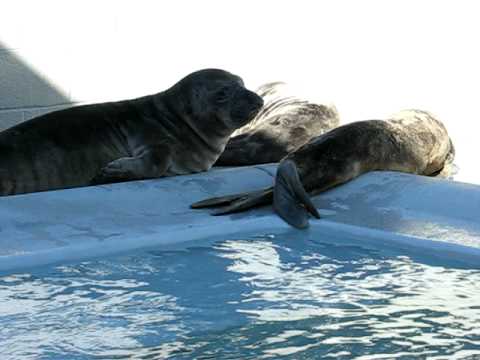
x: 23, y: 92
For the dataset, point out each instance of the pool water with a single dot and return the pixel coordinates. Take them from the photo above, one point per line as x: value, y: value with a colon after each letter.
x: 262, y: 297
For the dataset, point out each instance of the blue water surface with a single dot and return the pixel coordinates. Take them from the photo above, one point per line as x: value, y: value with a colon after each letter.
x: 257, y: 298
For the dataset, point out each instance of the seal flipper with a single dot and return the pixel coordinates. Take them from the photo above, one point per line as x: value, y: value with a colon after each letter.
x: 247, y: 201
x: 150, y: 162
x: 290, y: 200
x: 237, y: 202
x: 222, y: 200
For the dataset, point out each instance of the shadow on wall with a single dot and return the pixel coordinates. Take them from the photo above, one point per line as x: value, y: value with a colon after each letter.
x: 24, y: 93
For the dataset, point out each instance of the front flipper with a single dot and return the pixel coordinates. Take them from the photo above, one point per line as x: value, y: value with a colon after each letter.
x: 151, y: 162
x: 237, y: 202
x: 290, y: 200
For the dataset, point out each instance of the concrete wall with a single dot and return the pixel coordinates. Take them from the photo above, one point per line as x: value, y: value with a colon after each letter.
x: 371, y: 58
x: 23, y: 92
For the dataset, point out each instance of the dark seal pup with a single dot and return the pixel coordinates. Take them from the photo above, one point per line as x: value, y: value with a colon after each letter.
x: 181, y: 130
x: 285, y: 122
x: 411, y: 141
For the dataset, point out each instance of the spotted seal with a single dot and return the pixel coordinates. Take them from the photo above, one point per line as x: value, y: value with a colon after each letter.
x: 285, y: 122
x: 181, y: 130
x: 411, y: 141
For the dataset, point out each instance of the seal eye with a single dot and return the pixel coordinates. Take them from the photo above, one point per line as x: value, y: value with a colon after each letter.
x: 223, y: 95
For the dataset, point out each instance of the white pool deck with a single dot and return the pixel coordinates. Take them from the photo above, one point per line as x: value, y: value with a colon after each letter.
x: 414, y: 212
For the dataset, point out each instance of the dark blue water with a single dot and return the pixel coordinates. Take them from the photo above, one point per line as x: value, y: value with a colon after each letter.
x: 259, y: 298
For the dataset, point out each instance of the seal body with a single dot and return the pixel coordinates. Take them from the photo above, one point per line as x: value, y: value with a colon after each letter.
x: 283, y: 124
x: 411, y: 141
x: 178, y: 131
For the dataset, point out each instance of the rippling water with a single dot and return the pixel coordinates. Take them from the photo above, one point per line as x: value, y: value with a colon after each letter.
x: 244, y: 299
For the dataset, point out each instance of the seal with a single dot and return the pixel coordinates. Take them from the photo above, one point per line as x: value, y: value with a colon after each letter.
x: 285, y: 122
x: 411, y: 141
x: 181, y: 130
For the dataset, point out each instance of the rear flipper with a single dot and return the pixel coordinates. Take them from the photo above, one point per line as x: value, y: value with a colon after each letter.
x: 237, y: 202
x: 290, y: 200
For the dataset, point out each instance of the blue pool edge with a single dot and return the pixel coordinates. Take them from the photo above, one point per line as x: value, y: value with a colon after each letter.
x: 427, y: 214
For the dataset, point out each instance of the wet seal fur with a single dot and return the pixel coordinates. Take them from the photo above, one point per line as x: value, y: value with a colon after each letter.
x: 411, y: 141
x: 181, y: 130
x: 285, y: 122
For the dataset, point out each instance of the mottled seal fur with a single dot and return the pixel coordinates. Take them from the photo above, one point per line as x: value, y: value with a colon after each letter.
x: 285, y: 122
x: 412, y: 141
x: 178, y: 131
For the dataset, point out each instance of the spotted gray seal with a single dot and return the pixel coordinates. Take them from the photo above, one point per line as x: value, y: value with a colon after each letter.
x: 181, y: 130
x: 285, y: 122
x: 412, y: 141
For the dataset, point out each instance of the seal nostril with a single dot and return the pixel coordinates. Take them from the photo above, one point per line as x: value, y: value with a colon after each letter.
x: 260, y: 101
x: 255, y: 100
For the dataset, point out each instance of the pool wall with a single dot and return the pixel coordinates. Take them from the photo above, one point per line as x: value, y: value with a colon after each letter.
x: 58, y: 226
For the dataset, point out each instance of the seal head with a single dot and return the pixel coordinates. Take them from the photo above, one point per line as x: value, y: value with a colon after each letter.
x: 215, y: 94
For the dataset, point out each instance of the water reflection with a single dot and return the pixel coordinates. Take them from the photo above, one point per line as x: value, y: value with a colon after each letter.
x: 357, y: 298
x: 249, y: 299
x: 43, y: 316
